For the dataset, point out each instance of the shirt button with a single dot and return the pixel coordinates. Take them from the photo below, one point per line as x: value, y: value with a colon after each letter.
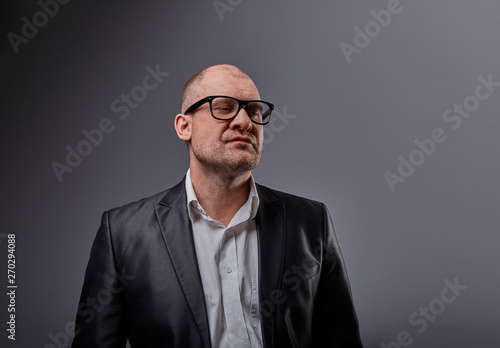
x: 228, y: 269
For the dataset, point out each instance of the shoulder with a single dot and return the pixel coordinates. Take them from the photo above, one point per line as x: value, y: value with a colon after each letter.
x: 146, y: 206
x: 290, y: 201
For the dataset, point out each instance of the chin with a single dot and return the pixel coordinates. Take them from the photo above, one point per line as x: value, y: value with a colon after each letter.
x: 244, y: 164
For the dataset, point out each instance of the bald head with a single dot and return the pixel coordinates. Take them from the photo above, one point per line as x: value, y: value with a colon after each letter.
x: 191, y: 91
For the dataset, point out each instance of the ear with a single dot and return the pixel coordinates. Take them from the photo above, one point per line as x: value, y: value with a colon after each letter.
x: 183, y: 128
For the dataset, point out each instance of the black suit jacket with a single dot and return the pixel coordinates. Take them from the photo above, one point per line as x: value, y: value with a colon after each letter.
x: 142, y: 281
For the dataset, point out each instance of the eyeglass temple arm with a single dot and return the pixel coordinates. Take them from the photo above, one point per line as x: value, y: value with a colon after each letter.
x: 196, y: 105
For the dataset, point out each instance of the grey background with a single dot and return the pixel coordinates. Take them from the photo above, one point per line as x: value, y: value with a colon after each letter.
x: 352, y: 121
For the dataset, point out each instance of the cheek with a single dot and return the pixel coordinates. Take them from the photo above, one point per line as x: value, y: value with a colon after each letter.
x: 259, y: 134
x: 206, y: 136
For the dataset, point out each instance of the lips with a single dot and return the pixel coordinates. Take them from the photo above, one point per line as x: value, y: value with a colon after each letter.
x: 243, y: 139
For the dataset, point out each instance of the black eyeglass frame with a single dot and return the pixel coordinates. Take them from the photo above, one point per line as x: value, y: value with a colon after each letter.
x: 241, y: 103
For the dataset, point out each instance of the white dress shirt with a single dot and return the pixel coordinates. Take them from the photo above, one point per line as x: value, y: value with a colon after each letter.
x: 228, y: 261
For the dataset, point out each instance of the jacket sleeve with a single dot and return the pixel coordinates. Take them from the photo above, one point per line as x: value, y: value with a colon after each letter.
x: 335, y: 322
x: 100, y: 320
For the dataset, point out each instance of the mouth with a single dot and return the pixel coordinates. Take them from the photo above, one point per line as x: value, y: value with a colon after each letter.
x: 242, y: 140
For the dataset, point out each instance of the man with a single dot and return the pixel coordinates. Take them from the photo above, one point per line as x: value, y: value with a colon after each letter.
x: 218, y: 260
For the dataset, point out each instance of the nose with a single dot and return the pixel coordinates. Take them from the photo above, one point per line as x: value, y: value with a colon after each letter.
x: 242, y: 120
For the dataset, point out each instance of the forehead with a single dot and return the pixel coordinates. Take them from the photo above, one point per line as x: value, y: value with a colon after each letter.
x: 229, y: 83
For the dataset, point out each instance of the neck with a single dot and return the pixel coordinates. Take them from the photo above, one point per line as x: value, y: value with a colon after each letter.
x: 221, y: 196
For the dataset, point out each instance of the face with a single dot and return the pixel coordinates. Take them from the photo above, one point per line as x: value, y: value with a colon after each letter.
x: 230, y: 146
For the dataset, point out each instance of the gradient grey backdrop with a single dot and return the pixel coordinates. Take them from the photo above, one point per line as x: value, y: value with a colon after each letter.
x: 352, y: 121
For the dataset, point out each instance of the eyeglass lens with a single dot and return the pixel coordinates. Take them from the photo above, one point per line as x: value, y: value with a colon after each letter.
x: 226, y: 108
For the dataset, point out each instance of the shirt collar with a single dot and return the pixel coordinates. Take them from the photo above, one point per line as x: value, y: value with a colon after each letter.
x: 251, y: 206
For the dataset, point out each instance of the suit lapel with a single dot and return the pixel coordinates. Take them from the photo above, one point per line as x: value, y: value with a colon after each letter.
x: 271, y: 231
x: 175, y: 226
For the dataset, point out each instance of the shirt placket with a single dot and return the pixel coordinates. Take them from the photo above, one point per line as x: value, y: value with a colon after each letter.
x: 233, y: 311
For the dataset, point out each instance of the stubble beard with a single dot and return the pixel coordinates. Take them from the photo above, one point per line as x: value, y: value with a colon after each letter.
x: 228, y: 163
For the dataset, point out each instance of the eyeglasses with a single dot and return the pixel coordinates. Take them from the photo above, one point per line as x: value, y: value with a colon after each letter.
x: 226, y: 108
